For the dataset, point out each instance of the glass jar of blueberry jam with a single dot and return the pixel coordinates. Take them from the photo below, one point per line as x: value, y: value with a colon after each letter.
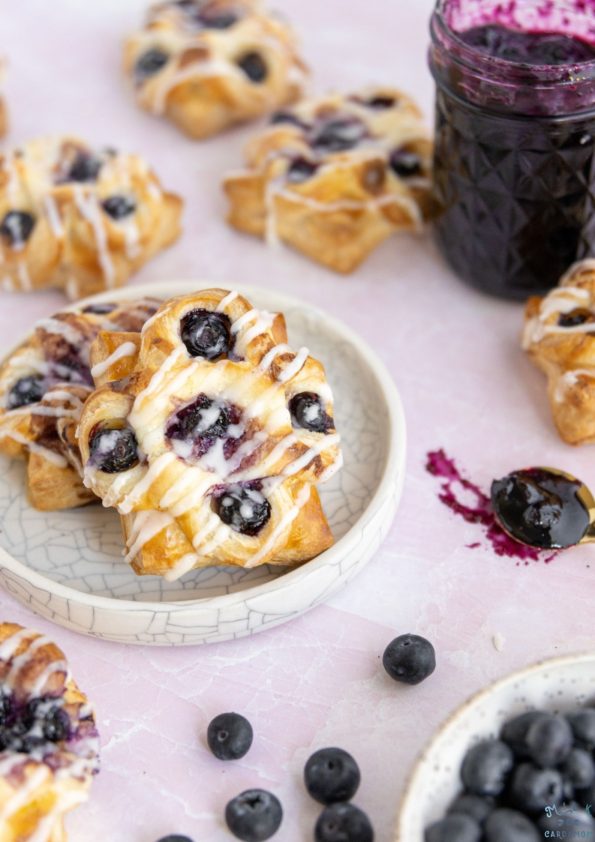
x: 515, y: 140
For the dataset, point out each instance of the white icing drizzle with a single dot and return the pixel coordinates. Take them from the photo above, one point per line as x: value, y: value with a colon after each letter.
x: 181, y: 567
x: 285, y: 522
x: 271, y: 355
x: 127, y: 349
x: 61, y: 328
x: 47, y: 454
x: 143, y: 487
x: 53, y: 215
x: 295, y: 366
x: 146, y: 525
x: 24, y: 277
x: 22, y: 795
x: 225, y: 302
x: 43, y: 678
x: 569, y: 380
x: 88, y: 205
x: 304, y: 460
x: 9, y: 646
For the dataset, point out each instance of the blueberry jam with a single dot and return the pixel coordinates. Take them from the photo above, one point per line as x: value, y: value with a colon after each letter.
x: 254, y: 66
x: 206, y: 334
x: 307, y: 411
x: 541, y: 508
x: 467, y: 500
x: 113, y: 450
x: 243, y: 507
x: 16, y: 228
x: 33, y: 727
x: 193, y: 430
x: 26, y: 391
x: 514, y: 164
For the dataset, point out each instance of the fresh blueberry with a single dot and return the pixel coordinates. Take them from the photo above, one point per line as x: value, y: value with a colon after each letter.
x: 586, y: 797
x: 254, y: 66
x: 100, y: 309
x: 574, y: 318
x: 245, y: 509
x: 175, y: 838
x: 510, y: 826
x: 229, y: 736
x: 331, y: 775
x: 409, y: 659
x: 150, y: 63
x: 477, y: 807
x: 16, y: 227
x: 582, y: 723
x: 568, y: 821
x: 300, y: 169
x: 206, y: 334
x: 549, y: 740
x: 405, y: 163
x: 455, y: 828
x: 486, y: 767
x: 307, y: 411
x: 254, y: 816
x: 514, y: 732
x: 85, y: 167
x: 119, y: 207
x: 338, y: 135
x: 343, y: 823
x: 114, y: 450
x: 578, y: 770
x: 26, y: 391
x: 532, y: 788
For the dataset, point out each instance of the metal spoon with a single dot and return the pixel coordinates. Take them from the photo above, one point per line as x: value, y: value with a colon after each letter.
x: 544, y: 508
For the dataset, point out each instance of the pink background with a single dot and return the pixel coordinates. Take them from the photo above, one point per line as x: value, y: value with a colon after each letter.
x: 466, y: 387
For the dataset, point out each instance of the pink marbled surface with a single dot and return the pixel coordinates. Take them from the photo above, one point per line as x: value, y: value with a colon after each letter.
x: 454, y: 355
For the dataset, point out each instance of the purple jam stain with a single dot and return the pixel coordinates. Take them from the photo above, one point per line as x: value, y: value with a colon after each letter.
x: 440, y: 465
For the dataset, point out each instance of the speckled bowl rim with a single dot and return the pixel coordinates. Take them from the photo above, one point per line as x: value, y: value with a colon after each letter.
x: 460, y: 712
x: 394, y: 466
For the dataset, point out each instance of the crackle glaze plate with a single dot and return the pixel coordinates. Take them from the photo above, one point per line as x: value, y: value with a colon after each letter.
x: 69, y: 567
x: 558, y: 685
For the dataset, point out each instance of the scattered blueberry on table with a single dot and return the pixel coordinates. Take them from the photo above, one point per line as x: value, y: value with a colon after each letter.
x: 409, y: 659
x: 536, y: 781
x: 254, y: 815
x: 230, y: 736
x: 175, y: 838
x: 331, y: 775
x: 343, y: 823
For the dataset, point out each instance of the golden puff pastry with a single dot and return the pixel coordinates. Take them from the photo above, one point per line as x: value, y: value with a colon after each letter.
x: 49, y: 747
x: 43, y: 386
x: 208, y: 64
x: 79, y: 219
x: 335, y: 176
x: 212, y: 448
x: 559, y: 337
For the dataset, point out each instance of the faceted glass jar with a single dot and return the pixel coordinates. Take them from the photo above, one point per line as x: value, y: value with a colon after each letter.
x: 514, y: 169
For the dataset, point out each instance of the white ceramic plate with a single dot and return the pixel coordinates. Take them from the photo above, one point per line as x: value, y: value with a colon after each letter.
x: 557, y: 685
x: 68, y: 566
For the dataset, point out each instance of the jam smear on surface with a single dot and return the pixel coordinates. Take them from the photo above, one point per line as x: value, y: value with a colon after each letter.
x: 466, y: 499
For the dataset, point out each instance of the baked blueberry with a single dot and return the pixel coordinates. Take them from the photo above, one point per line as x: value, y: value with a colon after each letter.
x: 55, y: 724
x: 405, y: 163
x: 217, y: 20
x: 510, y: 826
x: 16, y: 227
x: 549, y: 740
x: 575, y: 318
x: 338, y: 134
x: 455, y: 828
x: 582, y: 723
x: 409, y: 659
x: 119, y: 207
x: 300, y: 169
x: 331, y: 775
x: 343, y: 823
x: 84, y: 168
x: 114, y: 450
x: 477, y: 807
x: 206, y: 334
x: 486, y: 767
x: 5, y: 706
x: 229, y: 736
x: 194, y: 429
x: 307, y: 411
x: 514, y: 732
x: 578, y: 770
x: 532, y: 788
x: 254, y: 815
x: 26, y: 391
x: 150, y: 63
x: 381, y: 102
x: 286, y: 117
x: 243, y: 508
x: 101, y: 309
x: 254, y: 66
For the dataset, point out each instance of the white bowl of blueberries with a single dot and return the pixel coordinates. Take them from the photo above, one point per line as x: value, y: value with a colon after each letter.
x: 516, y: 763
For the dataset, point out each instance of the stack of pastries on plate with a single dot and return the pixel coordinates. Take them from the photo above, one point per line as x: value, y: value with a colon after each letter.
x: 193, y: 418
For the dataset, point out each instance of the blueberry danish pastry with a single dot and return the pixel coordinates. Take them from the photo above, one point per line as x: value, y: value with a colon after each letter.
x: 3, y: 109
x: 212, y: 449
x: 207, y: 64
x: 79, y: 219
x: 49, y: 748
x: 335, y: 176
x: 43, y: 386
x: 559, y: 337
